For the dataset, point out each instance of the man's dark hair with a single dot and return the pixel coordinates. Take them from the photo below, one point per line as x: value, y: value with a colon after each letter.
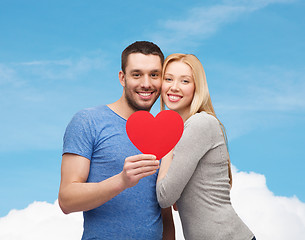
x: 143, y: 47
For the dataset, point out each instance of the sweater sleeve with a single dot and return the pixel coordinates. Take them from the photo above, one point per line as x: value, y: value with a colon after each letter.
x: 195, y: 142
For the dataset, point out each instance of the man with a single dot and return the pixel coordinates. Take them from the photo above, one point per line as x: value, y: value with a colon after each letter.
x: 103, y: 174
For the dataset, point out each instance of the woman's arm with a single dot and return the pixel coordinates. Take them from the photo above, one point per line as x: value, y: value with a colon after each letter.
x: 165, y: 164
x: 193, y: 145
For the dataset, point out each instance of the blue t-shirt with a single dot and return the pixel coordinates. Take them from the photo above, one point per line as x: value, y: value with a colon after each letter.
x: 99, y: 134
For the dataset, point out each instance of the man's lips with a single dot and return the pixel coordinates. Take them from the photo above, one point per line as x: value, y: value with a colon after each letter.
x: 145, y: 95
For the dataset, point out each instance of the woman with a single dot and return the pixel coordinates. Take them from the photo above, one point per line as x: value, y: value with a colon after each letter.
x: 197, y: 174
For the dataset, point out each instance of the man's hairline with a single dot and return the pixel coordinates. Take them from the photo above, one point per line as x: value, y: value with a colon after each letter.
x: 145, y: 55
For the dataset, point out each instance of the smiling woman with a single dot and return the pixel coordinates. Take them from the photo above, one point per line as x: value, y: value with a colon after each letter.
x: 178, y: 87
x: 196, y: 176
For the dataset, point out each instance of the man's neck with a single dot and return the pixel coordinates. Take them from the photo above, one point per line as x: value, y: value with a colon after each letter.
x: 121, y: 108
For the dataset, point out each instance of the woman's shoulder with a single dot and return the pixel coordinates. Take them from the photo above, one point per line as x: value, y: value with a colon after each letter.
x: 202, y: 119
x: 203, y: 123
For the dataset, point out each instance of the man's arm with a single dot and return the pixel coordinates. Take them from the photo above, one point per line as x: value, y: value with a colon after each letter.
x: 75, y: 194
x: 168, y: 224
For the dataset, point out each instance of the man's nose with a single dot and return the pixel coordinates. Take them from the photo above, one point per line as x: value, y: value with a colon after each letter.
x: 146, y: 81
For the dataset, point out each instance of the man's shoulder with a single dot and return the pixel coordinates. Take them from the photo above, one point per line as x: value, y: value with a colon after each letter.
x: 99, y: 115
x: 93, y: 112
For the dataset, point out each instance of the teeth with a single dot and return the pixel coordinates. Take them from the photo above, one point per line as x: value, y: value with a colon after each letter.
x: 174, y: 98
x: 145, y: 94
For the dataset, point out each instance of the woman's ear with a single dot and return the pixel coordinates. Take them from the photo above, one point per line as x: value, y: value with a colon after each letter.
x: 122, y: 78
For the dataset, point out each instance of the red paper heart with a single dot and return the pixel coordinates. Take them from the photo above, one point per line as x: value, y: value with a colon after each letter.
x: 155, y: 135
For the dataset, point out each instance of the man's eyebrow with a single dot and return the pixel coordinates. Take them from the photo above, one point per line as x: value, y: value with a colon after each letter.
x: 138, y: 70
x: 135, y: 70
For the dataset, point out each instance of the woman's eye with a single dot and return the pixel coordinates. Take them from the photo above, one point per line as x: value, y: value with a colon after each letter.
x: 185, y: 81
x: 168, y: 79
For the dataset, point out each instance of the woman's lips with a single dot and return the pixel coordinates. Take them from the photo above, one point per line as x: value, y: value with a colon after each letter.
x: 174, y: 98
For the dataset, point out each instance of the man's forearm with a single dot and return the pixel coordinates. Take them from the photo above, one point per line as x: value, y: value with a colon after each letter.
x: 75, y: 194
x: 79, y: 196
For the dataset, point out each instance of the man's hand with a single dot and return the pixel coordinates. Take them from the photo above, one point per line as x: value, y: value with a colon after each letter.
x: 137, y: 167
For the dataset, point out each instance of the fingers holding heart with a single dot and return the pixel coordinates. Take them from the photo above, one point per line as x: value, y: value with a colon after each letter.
x: 137, y: 167
x: 143, y: 166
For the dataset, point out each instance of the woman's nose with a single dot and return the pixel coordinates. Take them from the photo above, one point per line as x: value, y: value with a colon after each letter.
x: 175, y: 86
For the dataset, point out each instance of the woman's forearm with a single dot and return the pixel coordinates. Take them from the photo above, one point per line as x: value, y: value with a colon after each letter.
x: 165, y: 164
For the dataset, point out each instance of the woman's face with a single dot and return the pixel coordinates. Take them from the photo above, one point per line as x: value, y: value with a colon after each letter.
x: 178, y: 87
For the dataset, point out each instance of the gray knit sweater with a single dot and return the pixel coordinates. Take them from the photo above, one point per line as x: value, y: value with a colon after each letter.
x: 198, y: 182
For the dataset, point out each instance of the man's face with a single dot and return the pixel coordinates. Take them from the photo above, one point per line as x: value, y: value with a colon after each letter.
x: 142, y: 80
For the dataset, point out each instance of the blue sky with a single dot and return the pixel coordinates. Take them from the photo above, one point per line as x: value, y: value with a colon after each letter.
x: 57, y: 57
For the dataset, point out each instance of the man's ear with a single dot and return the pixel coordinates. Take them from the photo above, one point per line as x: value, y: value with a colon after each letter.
x: 122, y: 78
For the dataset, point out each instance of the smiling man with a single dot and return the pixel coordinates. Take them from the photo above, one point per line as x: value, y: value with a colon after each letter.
x: 103, y: 174
x: 141, y: 79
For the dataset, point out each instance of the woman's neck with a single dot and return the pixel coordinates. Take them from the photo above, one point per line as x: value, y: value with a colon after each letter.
x: 184, y: 115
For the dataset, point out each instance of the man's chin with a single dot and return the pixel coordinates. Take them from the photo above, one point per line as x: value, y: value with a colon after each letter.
x: 140, y: 107
x: 143, y: 108
x: 140, y: 104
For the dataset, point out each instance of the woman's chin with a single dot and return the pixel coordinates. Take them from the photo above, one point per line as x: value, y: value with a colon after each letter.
x: 172, y: 108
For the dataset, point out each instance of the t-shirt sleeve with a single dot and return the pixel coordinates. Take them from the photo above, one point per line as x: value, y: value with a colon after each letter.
x: 79, y: 137
x: 196, y: 140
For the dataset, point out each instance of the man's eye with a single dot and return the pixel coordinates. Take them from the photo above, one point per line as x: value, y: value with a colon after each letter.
x: 136, y: 75
x: 154, y: 75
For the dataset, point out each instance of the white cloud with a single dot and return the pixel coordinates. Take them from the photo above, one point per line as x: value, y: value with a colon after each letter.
x: 248, y: 98
x: 41, y: 220
x: 63, y: 62
x: 70, y: 68
x: 202, y: 22
x: 267, y: 88
x: 9, y: 77
x: 267, y: 215
x: 45, y: 94
x: 40, y: 72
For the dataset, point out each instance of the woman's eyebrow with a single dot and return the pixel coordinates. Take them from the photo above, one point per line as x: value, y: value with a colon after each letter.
x: 188, y: 76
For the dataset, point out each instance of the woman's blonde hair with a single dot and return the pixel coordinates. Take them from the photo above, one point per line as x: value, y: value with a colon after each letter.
x: 201, y: 100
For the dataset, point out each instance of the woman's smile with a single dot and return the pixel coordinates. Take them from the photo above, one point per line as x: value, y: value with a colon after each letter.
x: 174, y: 98
x: 178, y: 87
